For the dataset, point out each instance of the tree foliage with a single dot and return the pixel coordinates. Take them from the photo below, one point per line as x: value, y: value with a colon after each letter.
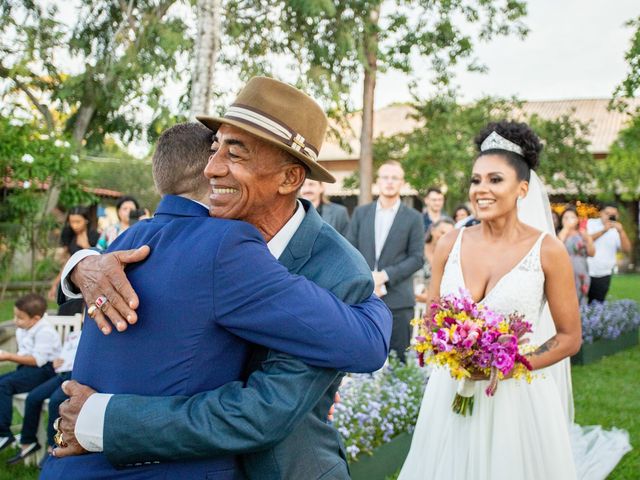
x: 441, y: 150
x: 32, y: 163
x: 129, y: 50
x: 630, y: 86
x: 620, y: 171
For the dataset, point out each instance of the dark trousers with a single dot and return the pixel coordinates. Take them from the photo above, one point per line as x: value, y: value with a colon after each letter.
x: 401, y: 332
x: 33, y: 406
x: 23, y: 379
x: 599, y: 288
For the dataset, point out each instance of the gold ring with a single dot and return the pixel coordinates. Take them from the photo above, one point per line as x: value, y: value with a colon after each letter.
x: 91, y: 311
x: 56, y: 424
x: 59, y: 440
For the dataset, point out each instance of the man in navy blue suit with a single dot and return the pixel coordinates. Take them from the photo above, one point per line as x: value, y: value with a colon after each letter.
x: 247, y: 184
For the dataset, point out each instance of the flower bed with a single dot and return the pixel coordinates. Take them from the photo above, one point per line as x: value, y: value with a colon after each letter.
x: 375, y: 408
x: 608, y: 320
x: 607, y: 328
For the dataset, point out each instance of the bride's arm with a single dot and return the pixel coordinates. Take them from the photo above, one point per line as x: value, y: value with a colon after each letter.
x: 561, y: 294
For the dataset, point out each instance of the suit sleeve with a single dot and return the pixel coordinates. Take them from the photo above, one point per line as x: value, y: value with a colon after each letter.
x: 257, y: 299
x: 415, y: 254
x: 232, y: 419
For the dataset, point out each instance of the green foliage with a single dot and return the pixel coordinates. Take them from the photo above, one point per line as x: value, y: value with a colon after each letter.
x: 33, y: 164
x: 441, y: 150
x: 630, y: 86
x: 114, y: 169
x: 620, y: 171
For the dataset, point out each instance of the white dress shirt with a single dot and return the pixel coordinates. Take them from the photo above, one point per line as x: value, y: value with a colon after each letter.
x: 607, y: 246
x: 90, y: 424
x: 384, y: 220
x: 41, y: 341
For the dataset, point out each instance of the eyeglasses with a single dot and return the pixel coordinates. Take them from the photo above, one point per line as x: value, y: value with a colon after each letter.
x: 390, y: 178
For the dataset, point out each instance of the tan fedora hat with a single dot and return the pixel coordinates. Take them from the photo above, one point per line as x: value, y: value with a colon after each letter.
x: 283, y: 116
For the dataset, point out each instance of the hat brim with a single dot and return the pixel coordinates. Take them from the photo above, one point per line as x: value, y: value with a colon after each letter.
x: 316, y: 171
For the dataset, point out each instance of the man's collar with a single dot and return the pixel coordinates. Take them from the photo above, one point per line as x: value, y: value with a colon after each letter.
x: 181, y: 206
x: 394, y: 207
x: 281, y: 239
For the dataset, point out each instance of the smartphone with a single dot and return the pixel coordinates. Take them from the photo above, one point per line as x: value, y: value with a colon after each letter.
x: 582, y: 225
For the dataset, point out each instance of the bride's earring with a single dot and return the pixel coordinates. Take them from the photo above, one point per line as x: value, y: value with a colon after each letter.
x: 518, y: 201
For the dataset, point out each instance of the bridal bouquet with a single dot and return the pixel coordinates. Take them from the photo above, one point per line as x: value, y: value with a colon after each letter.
x: 470, y: 339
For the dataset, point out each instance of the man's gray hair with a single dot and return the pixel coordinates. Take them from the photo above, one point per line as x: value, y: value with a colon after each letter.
x: 181, y: 154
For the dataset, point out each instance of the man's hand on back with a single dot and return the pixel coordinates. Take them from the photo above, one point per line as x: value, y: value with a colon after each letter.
x: 69, y: 411
x: 104, y: 275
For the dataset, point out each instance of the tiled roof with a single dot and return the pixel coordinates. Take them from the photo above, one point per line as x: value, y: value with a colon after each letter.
x: 604, y: 124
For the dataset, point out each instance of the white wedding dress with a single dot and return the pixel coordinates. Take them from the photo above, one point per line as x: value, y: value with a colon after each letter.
x: 523, y: 431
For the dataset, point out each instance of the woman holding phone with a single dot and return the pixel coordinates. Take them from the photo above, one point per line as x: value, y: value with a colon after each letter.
x: 579, y: 244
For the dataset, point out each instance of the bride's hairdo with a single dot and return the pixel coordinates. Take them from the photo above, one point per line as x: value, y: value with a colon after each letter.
x: 521, y: 149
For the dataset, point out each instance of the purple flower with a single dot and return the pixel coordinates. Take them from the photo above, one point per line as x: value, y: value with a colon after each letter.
x: 503, y: 362
x: 441, y: 340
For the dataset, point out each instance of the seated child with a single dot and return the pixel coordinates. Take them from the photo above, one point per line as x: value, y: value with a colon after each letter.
x: 52, y: 390
x: 38, y: 345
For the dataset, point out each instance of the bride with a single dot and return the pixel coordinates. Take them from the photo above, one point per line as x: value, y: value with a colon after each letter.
x: 525, y: 430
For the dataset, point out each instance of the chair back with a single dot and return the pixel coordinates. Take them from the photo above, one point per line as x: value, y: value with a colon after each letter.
x: 65, y: 324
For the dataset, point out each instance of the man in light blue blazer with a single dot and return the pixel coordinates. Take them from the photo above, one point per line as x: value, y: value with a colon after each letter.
x: 291, y: 431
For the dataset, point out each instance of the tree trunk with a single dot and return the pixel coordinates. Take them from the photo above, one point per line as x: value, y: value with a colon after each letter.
x: 366, y: 134
x: 205, y: 56
x: 83, y: 119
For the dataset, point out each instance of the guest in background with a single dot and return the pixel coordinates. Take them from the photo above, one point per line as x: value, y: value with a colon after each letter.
x: 556, y: 221
x: 433, y: 205
x: 435, y: 233
x: 38, y: 344
x: 125, y: 206
x: 394, y: 252
x: 608, y: 237
x: 77, y: 233
x: 579, y: 244
x: 460, y: 213
x: 52, y: 390
x: 334, y: 214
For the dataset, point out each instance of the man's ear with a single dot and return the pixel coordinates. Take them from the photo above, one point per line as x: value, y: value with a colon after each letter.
x: 293, y: 179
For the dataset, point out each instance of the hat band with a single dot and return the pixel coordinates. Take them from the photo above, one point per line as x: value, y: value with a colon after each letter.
x: 270, y: 125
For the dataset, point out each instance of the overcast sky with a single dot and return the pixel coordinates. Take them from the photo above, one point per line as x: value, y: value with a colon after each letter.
x: 575, y: 49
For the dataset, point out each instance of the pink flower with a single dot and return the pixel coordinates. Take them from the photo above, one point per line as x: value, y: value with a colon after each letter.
x: 503, y: 362
x: 440, y: 340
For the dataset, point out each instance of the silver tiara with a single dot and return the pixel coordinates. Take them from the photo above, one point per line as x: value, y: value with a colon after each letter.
x: 496, y: 142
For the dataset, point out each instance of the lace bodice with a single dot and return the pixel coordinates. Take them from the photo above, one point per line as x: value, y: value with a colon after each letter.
x: 521, y: 289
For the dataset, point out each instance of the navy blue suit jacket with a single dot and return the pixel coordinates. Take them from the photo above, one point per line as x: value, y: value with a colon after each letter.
x: 209, y: 286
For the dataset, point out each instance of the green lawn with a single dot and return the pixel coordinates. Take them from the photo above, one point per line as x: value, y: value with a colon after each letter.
x: 606, y: 393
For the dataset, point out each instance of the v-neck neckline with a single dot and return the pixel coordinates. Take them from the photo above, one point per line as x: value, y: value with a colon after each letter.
x: 506, y: 274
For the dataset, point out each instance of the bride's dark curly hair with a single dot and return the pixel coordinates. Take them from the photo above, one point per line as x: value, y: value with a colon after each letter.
x: 520, y: 134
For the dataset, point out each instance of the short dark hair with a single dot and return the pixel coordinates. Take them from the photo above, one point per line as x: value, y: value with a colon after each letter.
x: 126, y: 198
x: 461, y: 207
x: 609, y: 205
x: 182, y: 153
x: 428, y: 236
x: 32, y: 304
x: 433, y: 190
x: 520, y: 134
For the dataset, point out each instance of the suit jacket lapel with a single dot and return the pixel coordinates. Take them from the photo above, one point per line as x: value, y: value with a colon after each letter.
x: 298, y: 251
x: 370, y: 229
